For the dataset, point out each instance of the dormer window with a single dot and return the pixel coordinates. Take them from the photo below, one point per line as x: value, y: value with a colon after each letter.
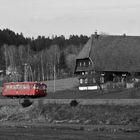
x: 83, y: 73
x: 80, y: 64
x: 89, y: 63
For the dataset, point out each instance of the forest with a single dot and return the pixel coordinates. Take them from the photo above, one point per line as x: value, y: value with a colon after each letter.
x: 40, y: 58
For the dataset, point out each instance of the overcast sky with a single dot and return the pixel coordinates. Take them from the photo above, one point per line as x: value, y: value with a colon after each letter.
x: 65, y: 17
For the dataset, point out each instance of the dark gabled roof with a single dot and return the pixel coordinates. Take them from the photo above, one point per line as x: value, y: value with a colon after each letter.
x: 113, y: 53
x: 85, y: 52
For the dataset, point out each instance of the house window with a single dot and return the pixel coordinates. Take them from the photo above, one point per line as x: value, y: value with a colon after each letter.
x: 124, y: 75
x: 94, y: 80
x: 81, y: 81
x: 84, y: 63
x: 83, y: 73
x: 86, y: 73
x: 89, y: 63
x: 80, y: 64
x: 92, y: 72
x: 86, y: 80
x: 102, y: 79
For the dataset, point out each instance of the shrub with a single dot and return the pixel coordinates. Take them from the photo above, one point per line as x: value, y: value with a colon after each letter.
x: 137, y: 84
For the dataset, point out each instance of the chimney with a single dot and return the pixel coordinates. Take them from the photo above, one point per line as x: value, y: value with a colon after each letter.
x: 96, y: 35
x: 124, y: 34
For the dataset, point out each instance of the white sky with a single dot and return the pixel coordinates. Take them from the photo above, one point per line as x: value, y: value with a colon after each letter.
x: 65, y: 17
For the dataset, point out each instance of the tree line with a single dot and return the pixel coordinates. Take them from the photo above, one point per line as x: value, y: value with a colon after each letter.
x: 42, y: 57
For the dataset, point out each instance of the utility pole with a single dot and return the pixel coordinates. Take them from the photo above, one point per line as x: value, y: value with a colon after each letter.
x: 54, y: 77
x: 54, y: 69
x: 6, y: 58
x: 25, y: 73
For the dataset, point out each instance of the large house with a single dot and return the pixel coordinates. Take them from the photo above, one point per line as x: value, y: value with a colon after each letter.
x: 115, y: 58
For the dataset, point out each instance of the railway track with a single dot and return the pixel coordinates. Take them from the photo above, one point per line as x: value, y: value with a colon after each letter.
x: 121, y: 102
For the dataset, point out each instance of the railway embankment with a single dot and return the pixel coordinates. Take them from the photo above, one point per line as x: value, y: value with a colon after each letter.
x: 91, y: 102
x: 97, y: 117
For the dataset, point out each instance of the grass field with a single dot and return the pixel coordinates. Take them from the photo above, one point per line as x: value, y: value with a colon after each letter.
x: 60, y: 133
x: 68, y: 89
x: 62, y: 84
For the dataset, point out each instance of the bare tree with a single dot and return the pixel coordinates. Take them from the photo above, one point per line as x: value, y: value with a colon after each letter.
x: 71, y: 61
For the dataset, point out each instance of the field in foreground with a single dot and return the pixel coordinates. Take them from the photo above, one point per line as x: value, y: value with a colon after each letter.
x: 45, y: 133
x: 72, y: 114
x: 66, y: 122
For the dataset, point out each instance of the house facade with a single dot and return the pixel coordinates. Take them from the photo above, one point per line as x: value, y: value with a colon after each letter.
x: 108, y: 59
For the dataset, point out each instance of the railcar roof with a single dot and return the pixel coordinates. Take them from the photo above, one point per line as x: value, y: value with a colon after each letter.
x: 14, y: 83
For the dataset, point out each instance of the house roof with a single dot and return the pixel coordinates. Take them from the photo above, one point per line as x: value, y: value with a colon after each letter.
x: 113, y: 53
x: 85, y: 52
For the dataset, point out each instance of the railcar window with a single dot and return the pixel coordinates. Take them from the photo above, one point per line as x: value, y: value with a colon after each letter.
x: 10, y: 86
x: 13, y: 87
x: 7, y: 86
x: 44, y: 87
x: 26, y: 86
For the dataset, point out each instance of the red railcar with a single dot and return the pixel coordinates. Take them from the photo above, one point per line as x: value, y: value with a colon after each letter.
x: 24, y: 89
